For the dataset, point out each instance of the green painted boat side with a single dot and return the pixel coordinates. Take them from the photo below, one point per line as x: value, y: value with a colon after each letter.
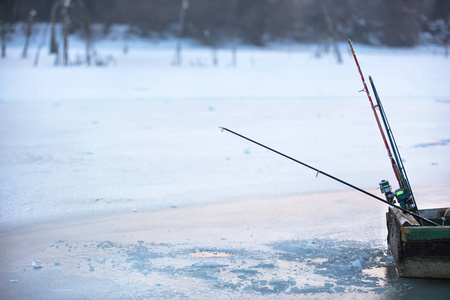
x: 419, y: 251
x: 425, y: 233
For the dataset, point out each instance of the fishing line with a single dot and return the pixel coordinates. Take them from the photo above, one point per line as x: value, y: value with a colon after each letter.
x: 267, y: 172
x: 331, y: 176
x: 275, y: 208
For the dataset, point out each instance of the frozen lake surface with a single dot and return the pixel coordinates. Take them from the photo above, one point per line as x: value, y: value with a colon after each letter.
x: 119, y: 178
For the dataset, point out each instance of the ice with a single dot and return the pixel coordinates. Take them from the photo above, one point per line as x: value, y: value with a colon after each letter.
x: 37, y: 264
x: 142, y: 134
x: 266, y: 264
x: 279, y: 285
x: 357, y: 264
x: 101, y: 261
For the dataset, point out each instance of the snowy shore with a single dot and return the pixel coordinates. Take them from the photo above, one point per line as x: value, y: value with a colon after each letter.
x: 117, y: 181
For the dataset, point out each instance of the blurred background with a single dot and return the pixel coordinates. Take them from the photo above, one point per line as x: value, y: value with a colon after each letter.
x: 403, y: 23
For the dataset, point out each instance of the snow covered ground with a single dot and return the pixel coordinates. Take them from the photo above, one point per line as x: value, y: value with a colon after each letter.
x: 141, y: 139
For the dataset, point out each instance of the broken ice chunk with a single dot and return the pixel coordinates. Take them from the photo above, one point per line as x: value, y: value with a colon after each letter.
x: 37, y: 264
x: 357, y: 264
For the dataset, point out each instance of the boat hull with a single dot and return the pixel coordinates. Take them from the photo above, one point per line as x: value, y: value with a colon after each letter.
x: 419, y: 251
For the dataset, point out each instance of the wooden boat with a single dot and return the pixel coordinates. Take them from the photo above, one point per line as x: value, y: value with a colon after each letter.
x: 420, y: 251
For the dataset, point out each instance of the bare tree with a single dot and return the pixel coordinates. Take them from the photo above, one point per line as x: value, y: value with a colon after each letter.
x: 65, y: 29
x: 9, y: 10
x: 87, y: 29
x: 62, y: 7
x: 3, y: 33
x: 184, y: 7
x: 331, y: 29
x: 41, y: 45
x: 28, y: 33
x: 54, y: 47
x: 209, y: 41
x: 252, y: 21
x: 234, y: 32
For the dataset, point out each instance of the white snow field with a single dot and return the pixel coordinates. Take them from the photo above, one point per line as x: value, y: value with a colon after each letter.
x: 116, y: 182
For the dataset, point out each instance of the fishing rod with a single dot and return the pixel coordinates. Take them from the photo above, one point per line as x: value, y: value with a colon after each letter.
x: 330, y: 176
x: 403, y: 176
x: 394, y: 165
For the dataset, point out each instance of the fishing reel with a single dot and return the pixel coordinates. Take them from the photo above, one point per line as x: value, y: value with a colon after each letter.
x: 403, y: 198
x: 386, y: 189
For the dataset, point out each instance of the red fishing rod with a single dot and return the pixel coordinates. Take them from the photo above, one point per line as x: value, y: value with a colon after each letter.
x: 394, y: 165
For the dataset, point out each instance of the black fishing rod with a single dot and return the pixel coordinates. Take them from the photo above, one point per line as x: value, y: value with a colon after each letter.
x: 404, y: 181
x: 330, y: 176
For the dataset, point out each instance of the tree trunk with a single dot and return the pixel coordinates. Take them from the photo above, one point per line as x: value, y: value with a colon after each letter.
x: 38, y: 51
x: 215, y: 59
x: 3, y: 33
x: 53, y: 44
x: 331, y: 30
x: 65, y: 26
x: 29, y: 29
x: 184, y: 7
x: 446, y: 46
x: 87, y: 30
x: 65, y: 29
x: 234, y: 55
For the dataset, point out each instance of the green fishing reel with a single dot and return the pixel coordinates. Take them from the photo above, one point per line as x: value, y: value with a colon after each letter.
x: 403, y: 198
